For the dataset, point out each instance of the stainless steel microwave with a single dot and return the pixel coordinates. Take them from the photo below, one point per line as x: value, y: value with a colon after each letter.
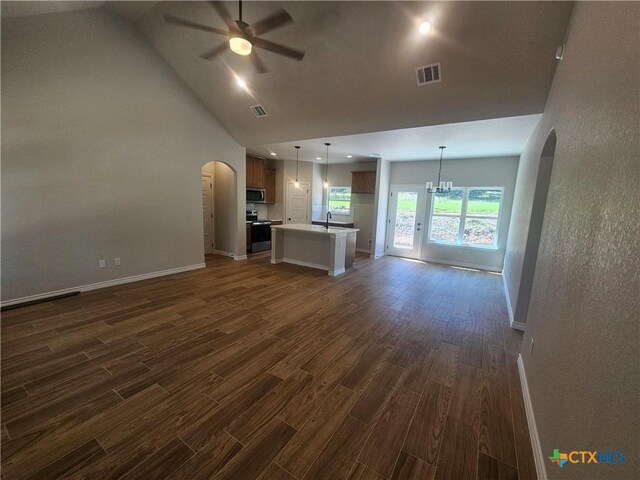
x: 255, y: 195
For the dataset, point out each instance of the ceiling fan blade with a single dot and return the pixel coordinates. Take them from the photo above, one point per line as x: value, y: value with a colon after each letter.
x: 258, y: 64
x: 215, y: 51
x: 198, y: 26
x: 224, y: 14
x: 277, y: 20
x: 277, y: 48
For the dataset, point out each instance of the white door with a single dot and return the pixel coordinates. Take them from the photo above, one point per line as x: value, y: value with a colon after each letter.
x: 297, y: 207
x: 406, y: 220
x: 207, y: 212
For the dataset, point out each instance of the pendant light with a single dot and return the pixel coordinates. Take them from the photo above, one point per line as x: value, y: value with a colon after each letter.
x: 441, y: 187
x: 326, y: 170
x: 297, y: 147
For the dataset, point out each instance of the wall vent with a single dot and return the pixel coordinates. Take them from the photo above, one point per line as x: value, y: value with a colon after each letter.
x: 428, y: 74
x: 258, y: 110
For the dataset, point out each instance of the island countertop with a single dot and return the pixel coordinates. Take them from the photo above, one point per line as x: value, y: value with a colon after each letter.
x: 316, y: 229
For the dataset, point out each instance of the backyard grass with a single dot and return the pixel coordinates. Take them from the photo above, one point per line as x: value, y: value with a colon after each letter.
x: 474, y: 207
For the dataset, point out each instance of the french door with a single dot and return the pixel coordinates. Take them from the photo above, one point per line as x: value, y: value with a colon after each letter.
x: 406, y: 220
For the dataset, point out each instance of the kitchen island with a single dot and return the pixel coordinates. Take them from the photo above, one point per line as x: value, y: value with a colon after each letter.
x: 332, y: 249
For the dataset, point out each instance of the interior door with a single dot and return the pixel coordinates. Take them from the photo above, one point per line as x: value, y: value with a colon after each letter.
x: 207, y: 213
x: 406, y: 220
x: 297, y: 207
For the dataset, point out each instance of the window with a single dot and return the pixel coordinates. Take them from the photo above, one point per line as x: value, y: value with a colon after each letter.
x: 466, y: 216
x: 340, y: 200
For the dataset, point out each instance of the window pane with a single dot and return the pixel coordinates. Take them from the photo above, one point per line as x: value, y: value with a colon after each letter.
x: 450, y: 202
x: 405, y: 219
x: 480, y: 231
x: 340, y: 200
x: 445, y: 229
x: 484, y: 203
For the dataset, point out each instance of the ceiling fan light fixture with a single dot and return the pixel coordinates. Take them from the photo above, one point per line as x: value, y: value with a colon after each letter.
x: 240, y: 45
x: 424, y: 28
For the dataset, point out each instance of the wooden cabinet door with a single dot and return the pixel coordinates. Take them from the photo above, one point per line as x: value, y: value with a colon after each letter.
x: 363, y: 182
x: 269, y: 178
x: 254, y: 172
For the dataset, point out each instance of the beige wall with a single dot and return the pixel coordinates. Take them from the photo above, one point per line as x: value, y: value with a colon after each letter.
x: 466, y: 172
x: 584, y: 311
x: 381, y: 204
x: 224, y: 197
x: 102, y: 148
x: 362, y: 204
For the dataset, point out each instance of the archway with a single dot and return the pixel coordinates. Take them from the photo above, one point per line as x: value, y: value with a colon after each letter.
x: 538, y: 207
x: 219, y: 185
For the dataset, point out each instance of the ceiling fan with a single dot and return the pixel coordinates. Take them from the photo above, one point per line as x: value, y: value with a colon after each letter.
x: 242, y: 37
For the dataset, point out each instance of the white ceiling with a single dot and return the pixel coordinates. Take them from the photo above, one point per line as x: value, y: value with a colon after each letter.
x: 498, y: 137
x: 21, y: 9
x: 497, y: 58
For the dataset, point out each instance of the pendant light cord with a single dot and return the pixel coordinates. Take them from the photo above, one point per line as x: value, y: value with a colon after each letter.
x: 440, y: 167
x: 326, y: 170
x: 297, y: 147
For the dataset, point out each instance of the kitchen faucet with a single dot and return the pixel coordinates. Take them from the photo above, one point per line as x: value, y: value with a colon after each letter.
x: 326, y: 225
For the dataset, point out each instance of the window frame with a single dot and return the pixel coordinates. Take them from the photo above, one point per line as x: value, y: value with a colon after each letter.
x: 459, y: 243
x: 329, y: 200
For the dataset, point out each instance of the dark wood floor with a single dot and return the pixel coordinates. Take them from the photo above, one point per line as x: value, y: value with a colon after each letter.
x: 246, y: 370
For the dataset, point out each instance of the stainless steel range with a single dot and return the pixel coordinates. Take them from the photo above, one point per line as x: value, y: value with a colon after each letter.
x: 260, y: 232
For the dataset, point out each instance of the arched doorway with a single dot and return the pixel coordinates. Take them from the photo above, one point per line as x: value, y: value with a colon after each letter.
x: 538, y: 207
x: 219, y: 209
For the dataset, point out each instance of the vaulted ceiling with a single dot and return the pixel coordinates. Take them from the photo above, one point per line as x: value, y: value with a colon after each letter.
x: 358, y: 74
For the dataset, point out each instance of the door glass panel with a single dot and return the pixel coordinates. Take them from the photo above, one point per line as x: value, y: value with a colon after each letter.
x: 405, y: 227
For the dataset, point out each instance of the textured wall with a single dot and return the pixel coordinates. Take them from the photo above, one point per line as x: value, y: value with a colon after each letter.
x: 102, y: 146
x: 584, y: 313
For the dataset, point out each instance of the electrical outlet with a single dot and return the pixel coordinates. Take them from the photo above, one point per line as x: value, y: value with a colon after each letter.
x: 531, y: 348
x: 101, y: 264
x: 117, y: 261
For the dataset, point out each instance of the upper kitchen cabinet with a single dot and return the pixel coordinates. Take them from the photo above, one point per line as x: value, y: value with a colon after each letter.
x: 363, y: 182
x: 255, y: 168
x: 269, y: 178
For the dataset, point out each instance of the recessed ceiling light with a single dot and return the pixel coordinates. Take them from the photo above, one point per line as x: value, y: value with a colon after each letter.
x: 424, y: 28
x: 349, y: 156
x: 241, y: 83
x: 318, y: 158
x: 273, y: 153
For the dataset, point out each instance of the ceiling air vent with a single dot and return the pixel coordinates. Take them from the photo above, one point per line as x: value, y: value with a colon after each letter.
x: 258, y: 110
x: 428, y: 74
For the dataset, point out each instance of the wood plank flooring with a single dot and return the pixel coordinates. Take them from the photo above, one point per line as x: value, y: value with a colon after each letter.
x: 246, y: 370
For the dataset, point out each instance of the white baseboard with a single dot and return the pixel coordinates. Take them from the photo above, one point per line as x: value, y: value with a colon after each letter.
x: 462, y: 264
x: 105, y: 284
x: 240, y: 257
x: 512, y: 322
x: 335, y: 273
x: 223, y: 253
x: 538, y: 456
